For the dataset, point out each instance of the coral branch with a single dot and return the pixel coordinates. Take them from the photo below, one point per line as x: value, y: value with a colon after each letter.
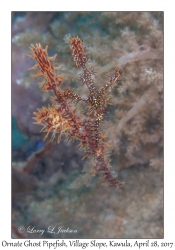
x: 135, y: 109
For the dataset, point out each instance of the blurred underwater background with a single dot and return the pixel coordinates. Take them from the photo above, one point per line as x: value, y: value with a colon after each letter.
x: 51, y: 184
